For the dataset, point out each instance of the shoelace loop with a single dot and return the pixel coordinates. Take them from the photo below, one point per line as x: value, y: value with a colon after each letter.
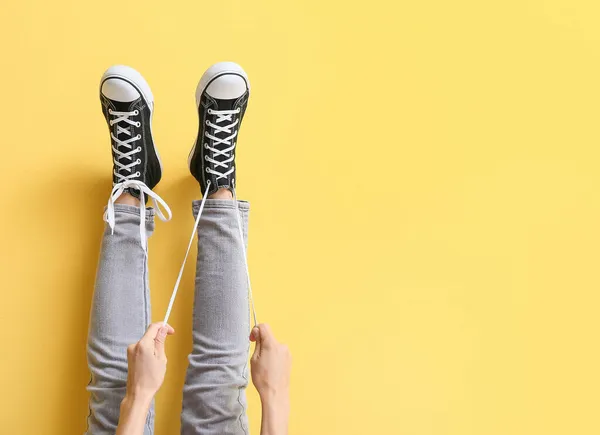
x: 119, y: 188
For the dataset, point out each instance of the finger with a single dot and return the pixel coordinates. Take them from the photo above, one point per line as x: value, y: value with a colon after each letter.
x: 170, y: 329
x: 130, y: 350
x: 255, y: 336
x: 159, y: 341
x: 267, y: 339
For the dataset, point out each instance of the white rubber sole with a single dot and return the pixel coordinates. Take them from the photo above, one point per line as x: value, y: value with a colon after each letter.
x: 137, y: 81
x: 214, y: 71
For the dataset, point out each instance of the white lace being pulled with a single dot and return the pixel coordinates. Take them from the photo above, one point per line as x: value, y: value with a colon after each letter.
x: 239, y: 222
x: 222, y: 115
x: 127, y: 180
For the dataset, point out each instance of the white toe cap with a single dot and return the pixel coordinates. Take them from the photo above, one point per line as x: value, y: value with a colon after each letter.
x: 227, y: 87
x: 223, y: 80
x: 119, y: 90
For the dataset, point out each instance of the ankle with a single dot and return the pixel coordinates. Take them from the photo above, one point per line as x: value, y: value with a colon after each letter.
x: 222, y: 193
x: 127, y: 199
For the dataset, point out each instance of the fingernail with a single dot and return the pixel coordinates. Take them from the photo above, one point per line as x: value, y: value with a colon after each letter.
x: 163, y: 331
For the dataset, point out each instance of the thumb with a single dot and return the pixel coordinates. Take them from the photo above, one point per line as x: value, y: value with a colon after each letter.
x: 159, y: 340
x: 255, y: 336
x: 151, y: 333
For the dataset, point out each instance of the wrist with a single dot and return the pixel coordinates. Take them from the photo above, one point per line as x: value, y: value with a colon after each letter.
x: 276, y: 403
x: 137, y: 399
x: 273, y: 397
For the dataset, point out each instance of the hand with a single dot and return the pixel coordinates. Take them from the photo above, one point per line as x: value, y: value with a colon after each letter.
x: 271, y: 365
x: 147, y: 363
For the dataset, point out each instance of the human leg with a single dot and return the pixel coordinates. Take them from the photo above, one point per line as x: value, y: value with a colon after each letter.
x: 214, y: 401
x: 121, y: 304
x: 119, y: 316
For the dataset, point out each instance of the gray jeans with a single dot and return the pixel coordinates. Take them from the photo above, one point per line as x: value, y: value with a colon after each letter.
x: 214, y: 399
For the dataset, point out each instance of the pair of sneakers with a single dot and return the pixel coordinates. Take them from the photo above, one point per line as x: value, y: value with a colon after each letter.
x: 127, y: 104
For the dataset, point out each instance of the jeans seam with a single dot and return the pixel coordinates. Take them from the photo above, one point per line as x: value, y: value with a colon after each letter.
x: 87, y: 420
x: 145, y: 289
x: 245, y: 377
x: 149, y: 421
x: 244, y: 370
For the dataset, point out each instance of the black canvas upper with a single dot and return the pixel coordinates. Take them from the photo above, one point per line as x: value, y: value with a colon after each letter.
x: 198, y: 163
x: 149, y: 167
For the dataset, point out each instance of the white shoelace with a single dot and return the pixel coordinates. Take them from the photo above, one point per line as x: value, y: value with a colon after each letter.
x: 127, y: 144
x: 127, y: 180
x: 187, y: 252
x: 222, y: 115
x: 239, y: 221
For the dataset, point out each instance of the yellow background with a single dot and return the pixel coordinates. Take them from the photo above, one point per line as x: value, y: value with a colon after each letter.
x: 424, y: 179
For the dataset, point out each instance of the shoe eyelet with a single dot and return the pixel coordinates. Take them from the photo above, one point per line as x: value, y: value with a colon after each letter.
x: 239, y: 109
x: 138, y: 161
x: 205, y: 146
x: 207, y: 122
x: 206, y: 169
x: 210, y: 111
x: 206, y: 158
x: 139, y: 136
x: 139, y: 149
x: 110, y: 111
x: 137, y: 124
x: 136, y: 112
x: 137, y: 174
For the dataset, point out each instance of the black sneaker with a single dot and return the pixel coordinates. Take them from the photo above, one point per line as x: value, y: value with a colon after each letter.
x: 221, y: 97
x: 127, y: 104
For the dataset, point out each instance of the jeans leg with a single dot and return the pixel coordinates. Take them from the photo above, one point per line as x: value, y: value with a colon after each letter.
x: 214, y: 398
x: 119, y: 316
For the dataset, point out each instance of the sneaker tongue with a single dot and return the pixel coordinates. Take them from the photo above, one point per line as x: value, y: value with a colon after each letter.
x: 129, y: 106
